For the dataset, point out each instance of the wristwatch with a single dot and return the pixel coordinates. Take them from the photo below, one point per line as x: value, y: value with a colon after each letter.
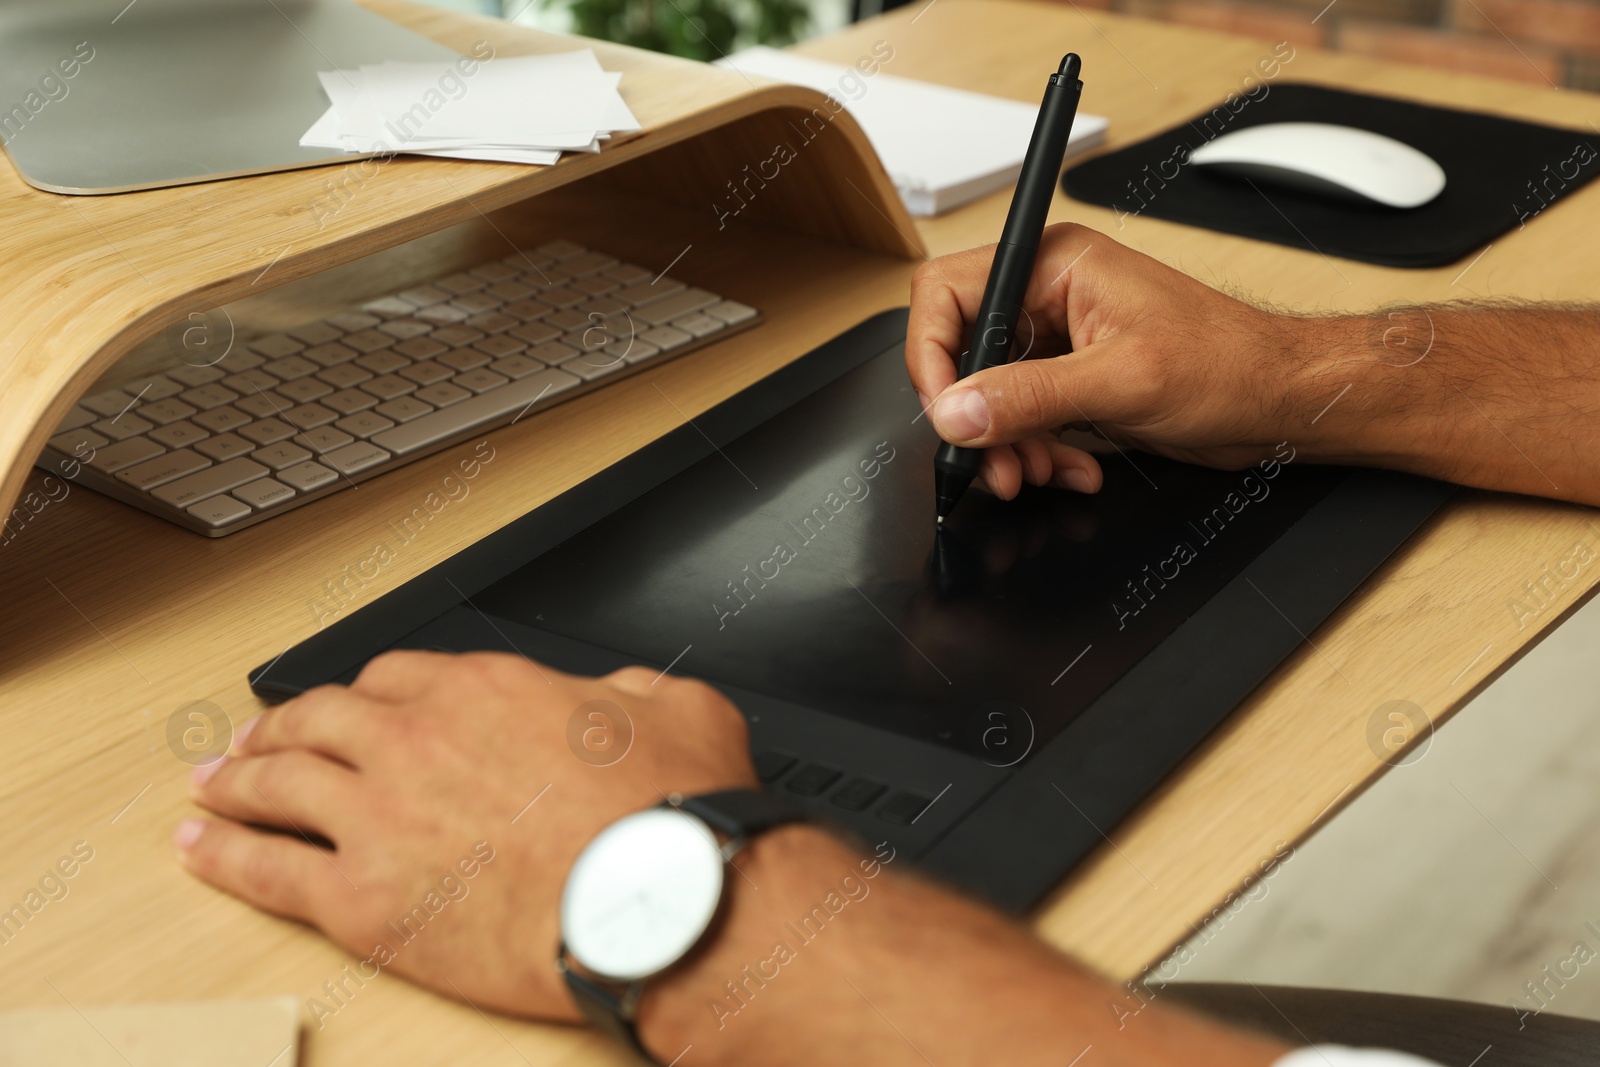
x: 643, y: 893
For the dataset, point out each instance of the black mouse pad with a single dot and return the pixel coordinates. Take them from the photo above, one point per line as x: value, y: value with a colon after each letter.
x: 1500, y: 174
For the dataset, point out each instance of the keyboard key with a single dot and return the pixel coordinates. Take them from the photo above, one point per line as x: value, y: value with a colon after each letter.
x: 500, y: 345
x: 239, y: 359
x: 456, y: 336
x: 493, y: 272
x: 388, y: 386
x: 666, y: 338
x: 291, y: 367
x: 510, y: 292
x: 225, y: 447
x: 660, y: 312
x: 382, y: 362
x: 245, y: 383
x: 275, y: 346
x: 263, y: 494
x: 315, y: 333
x: 858, y: 794
x: 634, y: 295
x: 812, y: 780
x: 281, y: 455
x: 589, y: 367
x: 493, y: 322
x: 388, y: 307
x: 165, y: 411
x: 110, y: 403
x: 423, y: 295
x: 112, y: 458
x: 221, y: 420
x: 77, y: 442
x: 700, y: 325
x: 305, y: 390
x: 363, y: 423
x: 587, y: 263
x: 158, y: 388
x: 552, y: 352
x: 329, y: 354
x: 350, y: 401
x: 344, y: 376
x: 462, y: 359
x: 261, y: 406
x: 732, y: 312
x: 323, y: 439
x: 219, y: 511
x: 605, y: 307
x: 527, y: 310
x: 209, y: 482
x: 78, y: 416
x: 480, y: 380
x: 595, y: 284
x: 403, y: 409
x: 367, y: 341
x: 443, y: 314
x: 515, y: 366
x: 535, y: 333
x: 307, y: 476
x: 561, y: 249
x: 445, y: 423
x: 404, y: 329
x: 528, y: 259
x: 163, y: 469
x: 306, y: 417
x: 421, y: 348
x: 266, y: 432
x: 903, y: 808
x: 427, y: 372
x: 460, y: 283
x: 442, y: 394
x: 563, y: 298
x: 770, y: 766
x: 122, y: 427
x: 352, y: 459
x: 639, y: 351
x: 476, y: 302
x: 353, y: 321
x: 627, y: 274
x: 180, y: 434
x: 594, y: 340
x: 571, y: 319
x: 193, y: 376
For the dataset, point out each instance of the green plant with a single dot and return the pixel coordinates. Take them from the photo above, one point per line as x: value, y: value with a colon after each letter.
x: 697, y: 29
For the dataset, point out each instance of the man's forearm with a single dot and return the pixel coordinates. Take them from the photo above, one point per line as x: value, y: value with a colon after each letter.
x: 825, y: 954
x: 1503, y: 398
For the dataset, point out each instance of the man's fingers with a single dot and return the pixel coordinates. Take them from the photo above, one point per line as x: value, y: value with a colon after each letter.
x: 330, y: 719
x: 279, y: 874
x: 1006, y: 404
x: 294, y: 790
x: 402, y: 675
x: 937, y: 323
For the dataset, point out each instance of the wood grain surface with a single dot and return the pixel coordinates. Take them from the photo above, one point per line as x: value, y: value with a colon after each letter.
x: 114, y: 621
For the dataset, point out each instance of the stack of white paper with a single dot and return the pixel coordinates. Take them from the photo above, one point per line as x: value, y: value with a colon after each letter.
x: 942, y: 147
x: 522, y: 109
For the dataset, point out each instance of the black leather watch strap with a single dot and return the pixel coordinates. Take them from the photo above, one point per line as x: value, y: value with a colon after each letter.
x: 740, y: 814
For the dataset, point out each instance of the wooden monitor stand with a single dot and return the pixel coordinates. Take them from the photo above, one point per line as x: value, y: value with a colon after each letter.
x: 90, y: 279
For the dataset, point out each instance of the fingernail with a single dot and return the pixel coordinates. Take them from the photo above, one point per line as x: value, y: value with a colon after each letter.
x: 963, y: 414
x: 244, y: 734
x: 187, y: 833
x: 1077, y: 480
x: 202, y: 774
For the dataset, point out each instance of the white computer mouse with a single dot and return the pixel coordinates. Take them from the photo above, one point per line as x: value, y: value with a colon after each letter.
x: 1319, y: 157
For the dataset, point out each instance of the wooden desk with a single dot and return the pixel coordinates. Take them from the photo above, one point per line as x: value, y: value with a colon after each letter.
x: 113, y: 619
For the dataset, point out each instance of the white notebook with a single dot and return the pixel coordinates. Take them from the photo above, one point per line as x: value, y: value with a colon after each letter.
x: 942, y: 147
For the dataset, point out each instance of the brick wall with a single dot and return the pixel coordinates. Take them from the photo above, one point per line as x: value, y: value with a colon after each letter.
x: 1555, y: 42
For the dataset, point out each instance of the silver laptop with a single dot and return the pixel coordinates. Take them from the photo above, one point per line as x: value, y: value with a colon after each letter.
x: 107, y: 96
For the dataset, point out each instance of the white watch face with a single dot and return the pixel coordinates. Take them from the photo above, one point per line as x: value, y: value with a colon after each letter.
x: 641, y: 894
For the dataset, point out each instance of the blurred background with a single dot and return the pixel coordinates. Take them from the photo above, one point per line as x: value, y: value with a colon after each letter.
x: 1541, y: 41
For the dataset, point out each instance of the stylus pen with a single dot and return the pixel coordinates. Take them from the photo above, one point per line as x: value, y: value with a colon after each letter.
x: 955, y: 467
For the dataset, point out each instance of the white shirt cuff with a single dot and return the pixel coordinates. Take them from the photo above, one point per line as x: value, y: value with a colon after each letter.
x: 1340, y: 1056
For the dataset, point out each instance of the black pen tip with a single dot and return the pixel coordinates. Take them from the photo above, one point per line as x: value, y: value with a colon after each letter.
x: 1071, y: 66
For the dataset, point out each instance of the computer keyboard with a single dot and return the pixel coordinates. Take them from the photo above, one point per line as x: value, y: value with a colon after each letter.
x: 287, y: 418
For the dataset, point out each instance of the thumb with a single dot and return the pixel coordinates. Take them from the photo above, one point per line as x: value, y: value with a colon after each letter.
x: 1005, y: 404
